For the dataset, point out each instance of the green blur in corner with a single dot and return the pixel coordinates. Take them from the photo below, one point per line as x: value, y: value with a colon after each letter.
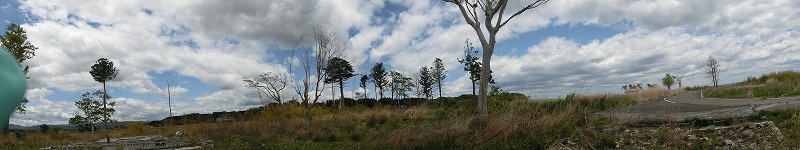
x: 12, y: 86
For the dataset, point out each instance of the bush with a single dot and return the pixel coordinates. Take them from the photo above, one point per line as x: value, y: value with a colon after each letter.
x: 288, y: 111
x: 604, y: 141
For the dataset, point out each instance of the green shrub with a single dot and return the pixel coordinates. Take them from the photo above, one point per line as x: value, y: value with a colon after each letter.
x: 662, y: 135
x: 604, y: 141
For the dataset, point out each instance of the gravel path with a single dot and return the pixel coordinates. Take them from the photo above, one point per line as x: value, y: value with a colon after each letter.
x: 692, y: 104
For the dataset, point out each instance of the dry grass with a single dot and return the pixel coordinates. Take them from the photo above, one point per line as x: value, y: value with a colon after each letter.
x: 642, y: 96
x: 518, y: 120
x: 36, y: 140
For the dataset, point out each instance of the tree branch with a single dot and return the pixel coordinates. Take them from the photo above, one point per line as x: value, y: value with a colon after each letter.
x: 535, y: 4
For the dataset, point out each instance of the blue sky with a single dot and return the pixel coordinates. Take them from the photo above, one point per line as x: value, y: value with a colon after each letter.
x: 208, y: 47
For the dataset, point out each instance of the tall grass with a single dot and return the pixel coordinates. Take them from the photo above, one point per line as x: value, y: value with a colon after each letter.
x: 768, y: 85
x: 514, y: 122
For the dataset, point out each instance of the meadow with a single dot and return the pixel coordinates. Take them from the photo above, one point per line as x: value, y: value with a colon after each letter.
x: 514, y: 122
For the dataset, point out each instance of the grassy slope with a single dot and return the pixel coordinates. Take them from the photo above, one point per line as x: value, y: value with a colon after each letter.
x: 770, y: 85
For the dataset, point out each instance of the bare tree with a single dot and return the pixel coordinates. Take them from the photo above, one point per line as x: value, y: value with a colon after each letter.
x: 712, y: 70
x: 271, y: 84
x: 491, y: 9
x: 327, y: 46
x: 303, y: 87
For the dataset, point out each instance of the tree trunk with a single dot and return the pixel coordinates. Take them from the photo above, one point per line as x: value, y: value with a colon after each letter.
x: 484, y: 82
x: 473, y: 87
x: 308, y: 115
x: 341, y: 93
x: 440, y: 87
x: 105, y: 112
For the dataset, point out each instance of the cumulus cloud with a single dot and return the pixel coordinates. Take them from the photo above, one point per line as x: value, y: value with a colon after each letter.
x: 46, y: 111
x: 220, y: 43
x: 638, y: 57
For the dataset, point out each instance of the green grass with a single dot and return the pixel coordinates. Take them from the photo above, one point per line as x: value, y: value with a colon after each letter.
x: 770, y: 85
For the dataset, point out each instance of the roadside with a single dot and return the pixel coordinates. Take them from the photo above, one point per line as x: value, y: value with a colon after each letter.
x: 692, y: 105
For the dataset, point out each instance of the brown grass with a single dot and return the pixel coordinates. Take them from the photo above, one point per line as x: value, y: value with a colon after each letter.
x: 642, y: 96
x: 516, y: 119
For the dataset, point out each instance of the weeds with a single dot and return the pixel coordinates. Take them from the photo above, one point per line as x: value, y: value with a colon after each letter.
x: 514, y: 122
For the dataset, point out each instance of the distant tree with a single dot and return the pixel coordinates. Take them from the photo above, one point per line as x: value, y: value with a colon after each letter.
x: 712, y: 70
x: 393, y: 75
x: 439, y: 73
x: 492, y: 15
x: 364, y: 80
x: 44, y: 128
x: 104, y: 71
x: 339, y: 70
x: 680, y: 81
x: 378, y: 76
x: 426, y: 81
x: 471, y: 64
x: 92, y: 108
x: 15, y: 40
x: 496, y: 90
x: 417, y: 87
x: 270, y: 84
x: 400, y: 84
x: 668, y: 81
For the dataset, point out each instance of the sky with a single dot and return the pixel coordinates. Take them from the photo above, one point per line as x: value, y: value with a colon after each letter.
x: 207, y: 47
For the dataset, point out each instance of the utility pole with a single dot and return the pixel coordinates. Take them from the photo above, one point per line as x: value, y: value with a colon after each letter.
x: 169, y: 99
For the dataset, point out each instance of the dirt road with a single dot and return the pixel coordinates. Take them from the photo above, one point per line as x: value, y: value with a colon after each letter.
x: 692, y: 104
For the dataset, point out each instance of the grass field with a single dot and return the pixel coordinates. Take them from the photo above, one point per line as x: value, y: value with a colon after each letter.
x: 770, y: 85
x: 515, y: 122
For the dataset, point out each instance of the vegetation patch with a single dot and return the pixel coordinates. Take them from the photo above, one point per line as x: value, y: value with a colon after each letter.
x: 770, y: 85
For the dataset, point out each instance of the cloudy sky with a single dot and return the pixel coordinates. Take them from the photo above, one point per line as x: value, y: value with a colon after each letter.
x: 208, y: 46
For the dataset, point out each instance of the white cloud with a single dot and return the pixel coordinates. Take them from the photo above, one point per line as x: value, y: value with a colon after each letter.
x: 220, y: 43
x: 46, y: 112
x: 639, y: 56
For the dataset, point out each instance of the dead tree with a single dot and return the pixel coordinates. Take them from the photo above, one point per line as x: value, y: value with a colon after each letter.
x: 712, y: 70
x: 493, y: 11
